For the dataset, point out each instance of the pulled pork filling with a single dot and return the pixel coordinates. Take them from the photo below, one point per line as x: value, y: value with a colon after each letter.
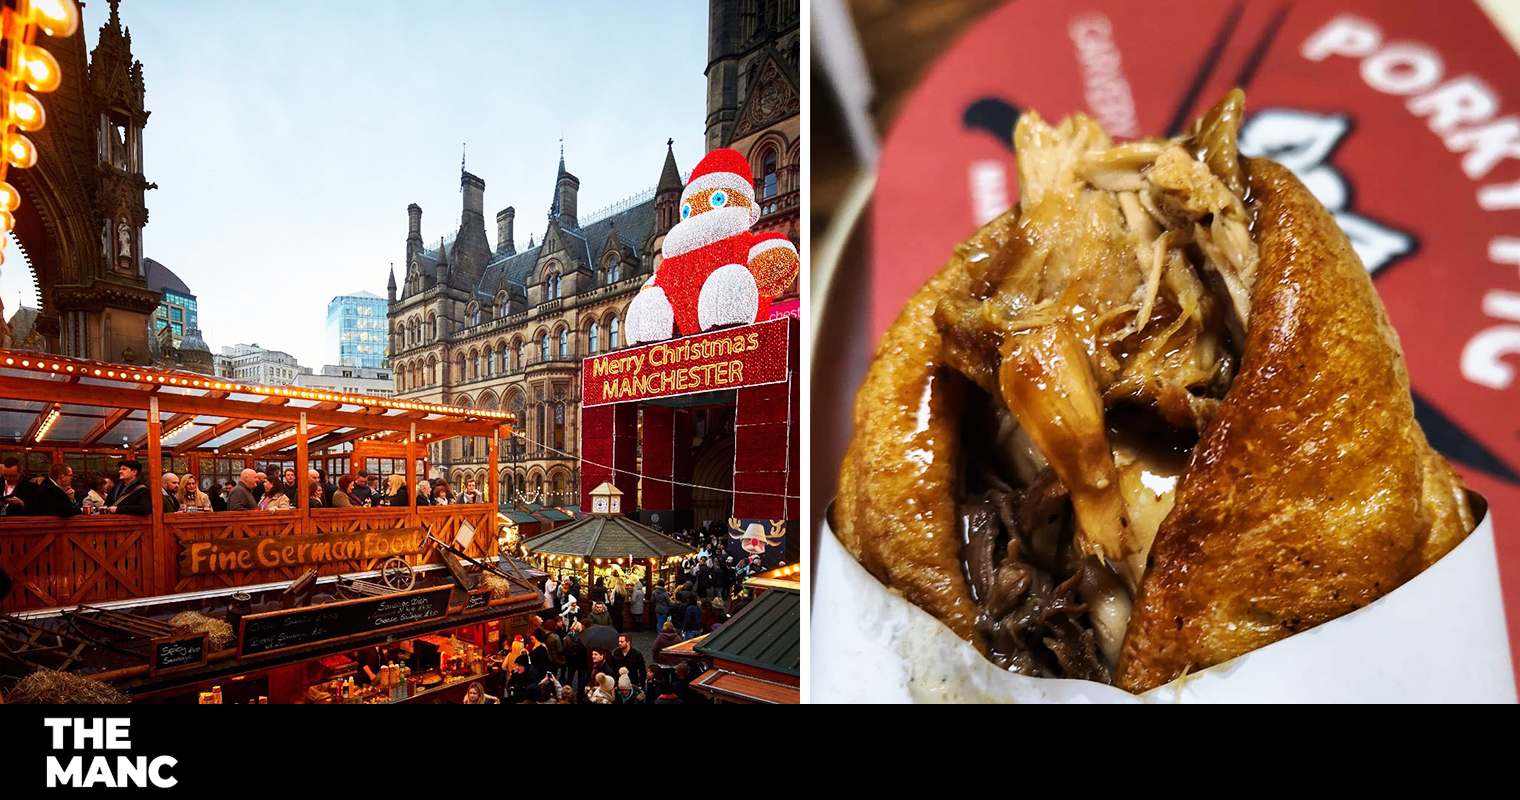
x: 1102, y: 335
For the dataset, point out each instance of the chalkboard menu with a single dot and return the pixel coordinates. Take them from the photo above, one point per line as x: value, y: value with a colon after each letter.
x: 298, y: 627
x: 175, y: 653
x: 477, y: 600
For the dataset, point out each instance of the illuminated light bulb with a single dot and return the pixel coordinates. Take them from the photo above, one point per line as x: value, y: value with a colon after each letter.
x: 25, y: 111
x: 20, y: 152
x: 10, y: 199
x: 56, y: 18
x: 39, y: 69
x: 7, y: 220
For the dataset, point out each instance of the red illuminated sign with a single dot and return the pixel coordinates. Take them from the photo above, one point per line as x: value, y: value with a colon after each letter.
x: 753, y: 355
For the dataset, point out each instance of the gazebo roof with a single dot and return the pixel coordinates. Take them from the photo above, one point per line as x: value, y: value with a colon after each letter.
x: 609, y: 537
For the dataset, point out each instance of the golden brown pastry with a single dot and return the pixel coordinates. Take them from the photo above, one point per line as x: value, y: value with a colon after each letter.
x: 1150, y: 420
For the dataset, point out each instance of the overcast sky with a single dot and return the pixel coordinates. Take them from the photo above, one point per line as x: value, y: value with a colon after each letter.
x: 287, y: 138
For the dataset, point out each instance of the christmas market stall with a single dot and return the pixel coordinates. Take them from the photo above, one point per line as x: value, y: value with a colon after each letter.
x: 757, y: 654
x: 286, y: 604
x: 608, y: 546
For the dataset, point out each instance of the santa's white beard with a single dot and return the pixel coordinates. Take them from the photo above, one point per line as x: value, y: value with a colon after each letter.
x: 701, y: 230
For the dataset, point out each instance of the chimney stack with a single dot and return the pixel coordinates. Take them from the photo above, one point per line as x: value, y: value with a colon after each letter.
x: 568, y: 186
x: 504, y: 240
x: 474, y: 196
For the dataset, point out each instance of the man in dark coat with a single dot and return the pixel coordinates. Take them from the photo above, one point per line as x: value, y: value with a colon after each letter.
x: 240, y: 497
x: 625, y: 656
x: 361, y: 491
x: 131, y: 493
x: 16, y: 492
x: 54, y: 498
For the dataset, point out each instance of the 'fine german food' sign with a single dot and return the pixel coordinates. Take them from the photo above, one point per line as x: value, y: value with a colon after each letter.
x: 210, y: 556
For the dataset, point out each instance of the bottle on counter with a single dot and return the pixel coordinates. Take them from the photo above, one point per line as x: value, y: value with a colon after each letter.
x: 216, y: 695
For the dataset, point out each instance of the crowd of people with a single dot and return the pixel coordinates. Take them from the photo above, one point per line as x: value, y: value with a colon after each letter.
x: 62, y: 493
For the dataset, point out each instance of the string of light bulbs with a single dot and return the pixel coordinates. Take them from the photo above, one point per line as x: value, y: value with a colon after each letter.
x: 642, y: 476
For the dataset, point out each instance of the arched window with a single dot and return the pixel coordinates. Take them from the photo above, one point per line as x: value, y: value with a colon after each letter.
x: 474, y: 313
x: 559, y: 485
x: 489, y: 360
x: 501, y: 304
x: 591, y: 339
x: 564, y: 343
x: 541, y: 415
x: 522, y: 353
x: 433, y: 323
x: 475, y: 373
x: 614, y: 269
x: 432, y: 373
x: 543, y: 348
x: 501, y: 358
x: 612, y: 335
x: 461, y: 375
x: 770, y: 175
x: 559, y: 426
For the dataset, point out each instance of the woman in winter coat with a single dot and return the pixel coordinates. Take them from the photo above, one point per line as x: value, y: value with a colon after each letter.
x: 636, y: 605
x: 668, y: 637
x: 691, y: 627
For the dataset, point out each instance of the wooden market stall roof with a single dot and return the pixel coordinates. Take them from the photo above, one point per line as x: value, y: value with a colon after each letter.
x: 766, y: 634
x: 613, y: 536
x: 60, y: 401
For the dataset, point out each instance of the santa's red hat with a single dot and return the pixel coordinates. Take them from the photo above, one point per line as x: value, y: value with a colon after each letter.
x: 727, y: 169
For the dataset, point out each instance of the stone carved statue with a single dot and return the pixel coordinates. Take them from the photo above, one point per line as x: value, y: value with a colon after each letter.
x: 124, y: 242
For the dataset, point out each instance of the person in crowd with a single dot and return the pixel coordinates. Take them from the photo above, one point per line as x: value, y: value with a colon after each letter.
x: 666, y: 694
x: 626, y: 657
x: 705, y: 579
x: 661, y: 607
x: 171, y: 491
x: 636, y: 605
x: 548, y: 691
x: 218, y: 501
x: 258, y: 487
x: 396, y: 494
x: 598, y: 590
x: 599, y: 663
x: 362, y: 494
x: 523, y: 681
x: 619, y: 593
x: 55, y: 497
x: 329, y: 489
x: 739, y: 602
x: 681, y: 686
x: 725, y: 578
x: 275, y: 498
x: 15, y: 491
x: 95, y: 497
x: 190, y: 495
x: 667, y: 637
x: 677, y: 610
x: 241, y: 496
x: 599, y: 614
x: 131, y: 493
x: 290, y: 487
x: 577, y: 660
x: 604, y: 691
x: 551, y: 591
x: 691, y: 626
x: 570, y: 614
x: 441, y: 494
x: 317, y: 494
x: 471, y: 493
x: 110, y: 485
x: 567, y: 695
x: 477, y: 696
x: 711, y: 616
x: 628, y: 693
x: 340, y: 496
x: 538, y: 653
x: 424, y: 493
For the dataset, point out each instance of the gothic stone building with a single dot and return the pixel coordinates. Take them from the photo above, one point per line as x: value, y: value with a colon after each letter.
x: 506, y: 329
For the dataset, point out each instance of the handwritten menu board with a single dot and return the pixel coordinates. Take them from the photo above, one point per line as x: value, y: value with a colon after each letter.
x: 177, y: 653
x: 477, y: 600
x: 282, y: 630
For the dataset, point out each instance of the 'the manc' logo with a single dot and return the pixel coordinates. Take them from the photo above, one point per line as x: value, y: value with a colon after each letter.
x: 108, y: 734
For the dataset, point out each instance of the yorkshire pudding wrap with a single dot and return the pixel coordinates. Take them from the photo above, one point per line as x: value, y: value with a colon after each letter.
x: 1152, y: 419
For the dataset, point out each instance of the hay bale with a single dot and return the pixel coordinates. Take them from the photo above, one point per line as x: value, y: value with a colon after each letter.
x: 500, y: 587
x: 51, y: 687
x: 218, y: 633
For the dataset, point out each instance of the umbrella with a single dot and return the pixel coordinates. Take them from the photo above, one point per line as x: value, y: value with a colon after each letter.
x: 600, y: 637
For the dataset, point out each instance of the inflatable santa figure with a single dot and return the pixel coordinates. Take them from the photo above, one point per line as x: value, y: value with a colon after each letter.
x: 715, y: 272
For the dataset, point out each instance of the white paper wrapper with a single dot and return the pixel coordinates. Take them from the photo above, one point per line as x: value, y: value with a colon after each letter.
x: 1440, y: 638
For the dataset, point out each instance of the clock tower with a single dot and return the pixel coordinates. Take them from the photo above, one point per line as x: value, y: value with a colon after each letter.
x: 606, y: 500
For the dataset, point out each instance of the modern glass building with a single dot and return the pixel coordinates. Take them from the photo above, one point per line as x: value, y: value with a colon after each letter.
x: 177, y: 311
x: 356, y: 330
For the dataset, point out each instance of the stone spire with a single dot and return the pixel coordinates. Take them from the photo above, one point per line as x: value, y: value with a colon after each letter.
x: 390, y: 287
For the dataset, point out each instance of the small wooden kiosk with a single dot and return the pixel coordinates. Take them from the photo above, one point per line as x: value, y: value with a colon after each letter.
x: 607, y: 545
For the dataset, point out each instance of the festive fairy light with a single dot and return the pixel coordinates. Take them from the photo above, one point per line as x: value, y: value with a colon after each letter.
x: 47, y: 422
x: 29, y: 65
x: 178, y: 429
x: 272, y: 439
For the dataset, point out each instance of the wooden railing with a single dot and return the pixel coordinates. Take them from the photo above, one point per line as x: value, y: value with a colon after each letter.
x: 63, y: 562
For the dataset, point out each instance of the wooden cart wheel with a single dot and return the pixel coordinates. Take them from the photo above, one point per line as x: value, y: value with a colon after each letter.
x: 398, y: 574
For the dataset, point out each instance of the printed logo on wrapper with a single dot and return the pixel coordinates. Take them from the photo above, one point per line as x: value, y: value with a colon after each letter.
x: 1400, y: 117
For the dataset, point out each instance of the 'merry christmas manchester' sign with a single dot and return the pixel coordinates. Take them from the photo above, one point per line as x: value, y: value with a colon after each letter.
x: 752, y: 355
